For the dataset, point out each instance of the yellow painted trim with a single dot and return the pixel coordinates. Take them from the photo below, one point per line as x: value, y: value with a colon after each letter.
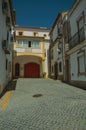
x: 31, y: 38
x: 28, y: 47
x: 32, y: 53
x: 6, y: 100
x: 43, y: 56
x: 29, y: 54
x: 42, y: 66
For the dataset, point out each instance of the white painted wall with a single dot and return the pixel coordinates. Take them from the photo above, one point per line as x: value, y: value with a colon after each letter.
x: 73, y: 57
x: 74, y: 67
x: 4, y: 75
x: 31, y: 33
x: 81, y: 7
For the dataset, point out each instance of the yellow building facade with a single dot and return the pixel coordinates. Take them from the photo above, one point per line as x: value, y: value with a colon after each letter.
x: 30, y: 52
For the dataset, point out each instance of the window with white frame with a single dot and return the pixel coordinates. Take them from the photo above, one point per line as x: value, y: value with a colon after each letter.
x: 26, y: 43
x: 20, y: 43
x: 35, y: 44
x: 23, y: 43
x: 80, y: 20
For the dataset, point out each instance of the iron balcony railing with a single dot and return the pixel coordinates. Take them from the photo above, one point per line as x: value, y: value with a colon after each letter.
x: 77, y: 38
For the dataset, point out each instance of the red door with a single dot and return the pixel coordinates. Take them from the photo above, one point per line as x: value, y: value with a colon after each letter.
x: 31, y: 70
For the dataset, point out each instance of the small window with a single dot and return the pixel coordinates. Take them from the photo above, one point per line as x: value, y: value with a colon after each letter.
x: 7, y: 36
x: 35, y: 34
x: 29, y: 43
x: 20, y: 33
x: 25, y: 43
x: 9, y: 66
x: 35, y: 44
x: 17, y: 69
x: 60, y: 66
x: 20, y: 43
x: 45, y: 35
x: 6, y: 63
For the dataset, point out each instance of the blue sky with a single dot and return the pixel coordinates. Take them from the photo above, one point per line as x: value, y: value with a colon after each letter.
x: 39, y: 13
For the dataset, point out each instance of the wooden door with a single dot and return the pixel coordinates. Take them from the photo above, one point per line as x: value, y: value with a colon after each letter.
x: 31, y: 70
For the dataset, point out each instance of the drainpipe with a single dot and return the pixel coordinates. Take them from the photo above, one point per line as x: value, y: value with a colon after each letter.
x: 63, y: 56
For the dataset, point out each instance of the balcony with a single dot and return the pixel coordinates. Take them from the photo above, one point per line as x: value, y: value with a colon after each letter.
x: 77, y: 38
x: 23, y: 50
x: 5, y: 47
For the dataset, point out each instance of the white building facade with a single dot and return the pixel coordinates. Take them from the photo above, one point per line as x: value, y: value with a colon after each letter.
x: 6, y: 27
x: 77, y: 43
x: 31, y: 52
x: 56, y: 48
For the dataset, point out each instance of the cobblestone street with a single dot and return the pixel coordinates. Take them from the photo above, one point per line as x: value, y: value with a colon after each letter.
x: 59, y: 107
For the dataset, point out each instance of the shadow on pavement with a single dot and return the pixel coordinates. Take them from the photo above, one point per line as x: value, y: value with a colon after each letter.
x: 11, y: 86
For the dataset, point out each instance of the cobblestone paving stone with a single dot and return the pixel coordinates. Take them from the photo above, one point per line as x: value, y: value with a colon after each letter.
x: 62, y: 107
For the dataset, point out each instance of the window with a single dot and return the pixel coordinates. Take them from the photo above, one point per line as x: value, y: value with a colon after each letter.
x: 35, y: 34
x: 35, y: 44
x: 81, y: 63
x: 5, y: 7
x: 26, y: 43
x: 29, y: 43
x: 7, y: 36
x: 17, y: 69
x: 23, y: 43
x: 9, y: 67
x: 80, y: 20
x: 20, y: 33
x: 20, y: 43
x: 80, y: 27
x: 7, y: 40
x: 69, y: 30
x: 6, y: 64
x: 60, y: 66
x: 45, y: 35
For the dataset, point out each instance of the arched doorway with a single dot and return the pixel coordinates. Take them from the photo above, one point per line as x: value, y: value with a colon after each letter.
x: 17, y: 69
x: 31, y: 70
